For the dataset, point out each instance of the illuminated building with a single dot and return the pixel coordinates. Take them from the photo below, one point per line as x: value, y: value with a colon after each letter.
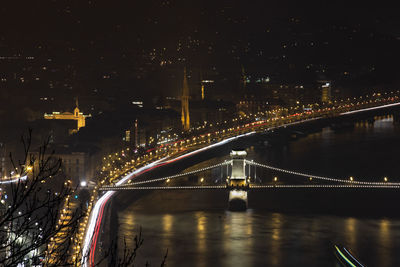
x: 203, y: 83
x: 185, y: 103
x: 76, y: 164
x: 326, y: 92
x: 77, y: 115
x: 131, y: 135
x: 128, y: 136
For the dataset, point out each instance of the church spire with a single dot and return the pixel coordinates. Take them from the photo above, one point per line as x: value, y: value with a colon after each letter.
x: 185, y: 103
x: 76, y: 110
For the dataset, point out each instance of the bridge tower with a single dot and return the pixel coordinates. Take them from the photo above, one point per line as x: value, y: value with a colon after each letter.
x: 237, y: 181
x: 185, y: 103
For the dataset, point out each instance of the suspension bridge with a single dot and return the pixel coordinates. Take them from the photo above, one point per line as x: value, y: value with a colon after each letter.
x: 238, y: 182
x: 239, y: 175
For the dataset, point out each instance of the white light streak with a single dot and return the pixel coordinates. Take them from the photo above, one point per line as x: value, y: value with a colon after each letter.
x: 366, y: 109
x: 94, y: 216
x: 13, y: 180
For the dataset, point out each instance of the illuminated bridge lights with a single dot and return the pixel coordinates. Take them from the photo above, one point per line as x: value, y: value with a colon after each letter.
x: 117, y: 188
x: 346, y: 181
x: 269, y: 186
x: 175, y: 176
x: 89, y: 243
x: 274, y: 123
x: 324, y: 186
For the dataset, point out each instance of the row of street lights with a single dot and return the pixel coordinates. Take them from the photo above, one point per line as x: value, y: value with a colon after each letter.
x: 145, y: 159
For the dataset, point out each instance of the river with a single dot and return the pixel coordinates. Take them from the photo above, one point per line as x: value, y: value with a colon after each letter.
x: 279, y: 228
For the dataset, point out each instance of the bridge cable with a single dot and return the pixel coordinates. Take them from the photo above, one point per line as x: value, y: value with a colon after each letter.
x: 175, y: 176
x: 324, y: 186
x: 165, y: 187
x: 321, y: 177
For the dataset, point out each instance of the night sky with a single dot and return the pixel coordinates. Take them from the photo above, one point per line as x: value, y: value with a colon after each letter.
x: 113, y: 52
x: 98, y: 37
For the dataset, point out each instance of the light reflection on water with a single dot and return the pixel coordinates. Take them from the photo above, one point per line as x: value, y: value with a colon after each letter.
x: 385, y: 240
x: 167, y: 224
x: 201, y: 237
x: 260, y: 238
x: 238, y: 237
x: 350, y: 226
x: 253, y: 238
x: 275, y: 239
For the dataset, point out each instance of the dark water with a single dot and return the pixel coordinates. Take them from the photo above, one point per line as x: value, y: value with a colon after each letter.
x: 199, y: 231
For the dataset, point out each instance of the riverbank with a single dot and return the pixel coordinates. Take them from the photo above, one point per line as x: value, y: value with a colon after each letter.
x: 333, y: 202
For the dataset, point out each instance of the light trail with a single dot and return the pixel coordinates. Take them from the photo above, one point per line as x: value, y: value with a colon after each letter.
x: 95, y: 220
x: 14, y: 180
x: 372, y: 108
x: 345, y: 254
x: 89, y: 244
x: 179, y: 175
x: 90, y: 241
x: 230, y: 139
x: 344, y: 257
x: 351, y: 255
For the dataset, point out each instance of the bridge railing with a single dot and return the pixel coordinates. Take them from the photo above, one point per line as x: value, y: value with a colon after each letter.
x: 324, y: 178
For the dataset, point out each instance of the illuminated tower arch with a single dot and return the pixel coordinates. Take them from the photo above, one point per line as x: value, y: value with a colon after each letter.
x: 185, y: 103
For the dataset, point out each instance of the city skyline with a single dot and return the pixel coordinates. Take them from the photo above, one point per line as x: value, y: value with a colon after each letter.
x: 252, y: 133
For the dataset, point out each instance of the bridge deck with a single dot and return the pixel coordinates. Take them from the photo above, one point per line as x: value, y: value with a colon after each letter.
x: 280, y: 186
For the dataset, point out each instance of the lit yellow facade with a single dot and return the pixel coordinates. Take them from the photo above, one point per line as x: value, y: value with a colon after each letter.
x: 78, y: 116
